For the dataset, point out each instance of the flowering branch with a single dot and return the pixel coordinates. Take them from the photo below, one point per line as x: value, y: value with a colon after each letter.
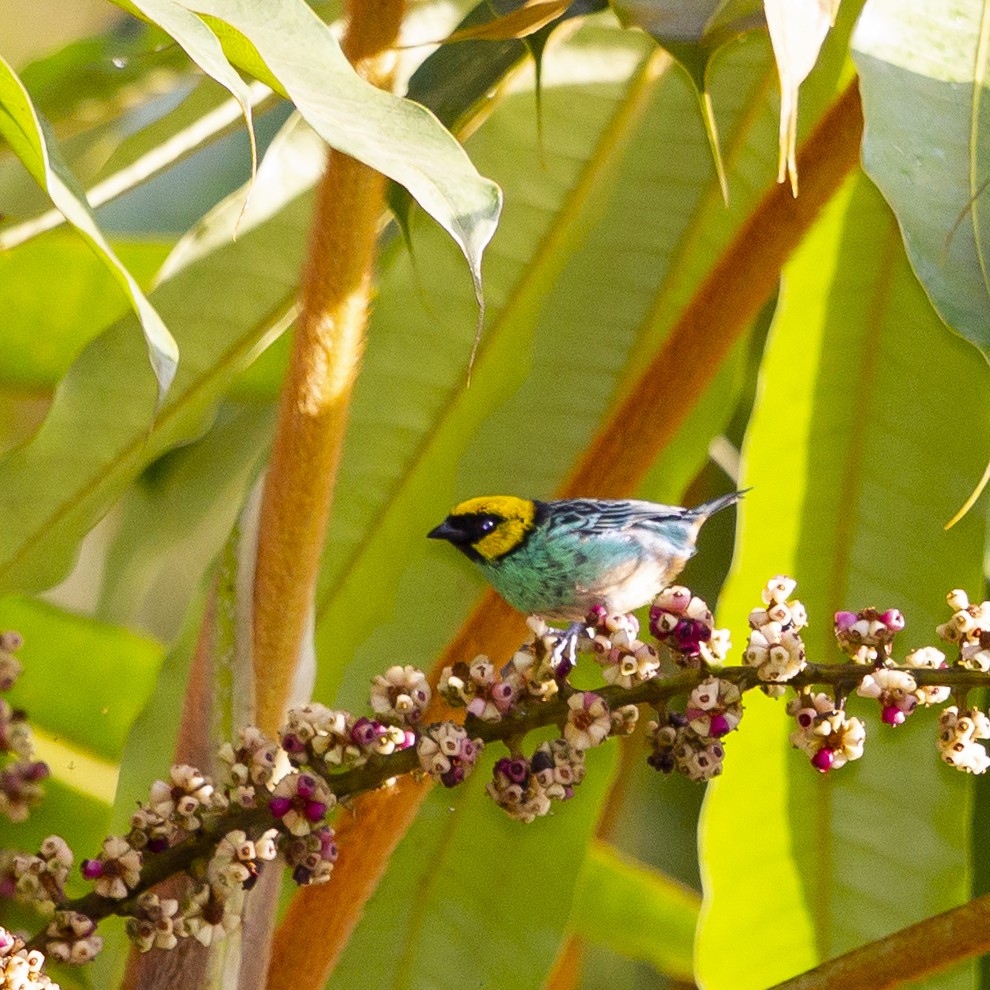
x: 220, y: 835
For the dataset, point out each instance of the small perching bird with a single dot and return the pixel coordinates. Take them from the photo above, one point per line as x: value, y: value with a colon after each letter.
x: 561, y: 559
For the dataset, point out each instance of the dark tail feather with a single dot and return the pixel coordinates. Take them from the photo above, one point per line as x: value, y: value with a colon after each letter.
x: 707, y: 509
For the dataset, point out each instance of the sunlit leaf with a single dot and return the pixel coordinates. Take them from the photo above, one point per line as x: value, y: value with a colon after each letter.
x: 396, y: 137
x: 853, y: 470
x: 924, y: 76
x: 24, y: 131
x: 797, y: 30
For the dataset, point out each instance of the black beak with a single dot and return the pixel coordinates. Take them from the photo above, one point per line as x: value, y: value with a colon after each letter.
x: 445, y: 531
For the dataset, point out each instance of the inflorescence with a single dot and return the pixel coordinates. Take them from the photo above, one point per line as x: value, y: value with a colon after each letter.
x: 271, y: 798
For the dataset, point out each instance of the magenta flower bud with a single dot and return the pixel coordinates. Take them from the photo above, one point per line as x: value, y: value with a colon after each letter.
x: 315, y: 810
x: 366, y: 731
x: 328, y: 848
x: 453, y: 776
x: 91, y: 868
x: 35, y: 771
x: 597, y: 615
x: 292, y: 743
x: 845, y: 621
x: 893, y: 620
x: 306, y: 786
x: 822, y: 760
x: 892, y: 715
x: 719, y: 726
x: 408, y: 739
x: 279, y: 806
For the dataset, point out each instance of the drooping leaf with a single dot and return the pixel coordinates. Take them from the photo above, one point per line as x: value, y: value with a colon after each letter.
x: 924, y: 77
x: 797, y: 30
x: 396, y: 137
x: 25, y: 132
x: 853, y: 469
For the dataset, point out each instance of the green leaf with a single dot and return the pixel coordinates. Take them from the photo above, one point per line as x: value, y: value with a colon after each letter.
x: 95, y: 447
x: 61, y: 649
x: 636, y: 911
x: 176, y: 517
x: 458, y: 895
x: 923, y: 75
x: 25, y: 132
x: 396, y: 137
x: 854, y: 465
x: 75, y: 307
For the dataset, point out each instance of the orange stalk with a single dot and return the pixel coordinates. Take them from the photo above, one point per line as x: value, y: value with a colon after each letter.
x: 326, y: 354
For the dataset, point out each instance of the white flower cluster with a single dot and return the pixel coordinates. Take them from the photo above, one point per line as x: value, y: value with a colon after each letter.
x: 775, y: 646
x: 829, y: 736
x: 969, y: 627
x: 958, y: 733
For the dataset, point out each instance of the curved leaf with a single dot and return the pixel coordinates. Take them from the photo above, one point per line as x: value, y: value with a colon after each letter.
x: 853, y: 467
x: 398, y: 138
x: 924, y: 77
x: 25, y: 132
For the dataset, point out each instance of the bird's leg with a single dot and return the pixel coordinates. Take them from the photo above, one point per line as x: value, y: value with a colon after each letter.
x: 564, y: 656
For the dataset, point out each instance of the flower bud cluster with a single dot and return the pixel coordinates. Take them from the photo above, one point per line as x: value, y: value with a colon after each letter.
x: 525, y: 788
x: 624, y: 658
x: 866, y: 636
x: 828, y: 736
x: 20, y: 775
x: 775, y: 647
x: 329, y: 739
x: 42, y: 878
x: 447, y: 753
x: 20, y: 969
x: 969, y: 627
x: 690, y: 743
x: 684, y: 624
x: 485, y: 692
x: 958, y: 733
x: 676, y: 746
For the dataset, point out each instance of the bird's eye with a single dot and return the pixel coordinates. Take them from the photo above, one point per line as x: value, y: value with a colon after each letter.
x: 487, y: 525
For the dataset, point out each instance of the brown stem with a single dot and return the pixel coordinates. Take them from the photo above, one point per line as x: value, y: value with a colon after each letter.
x: 908, y: 955
x: 329, y: 342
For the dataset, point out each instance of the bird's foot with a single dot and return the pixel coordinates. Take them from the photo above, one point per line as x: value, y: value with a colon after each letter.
x: 563, y: 657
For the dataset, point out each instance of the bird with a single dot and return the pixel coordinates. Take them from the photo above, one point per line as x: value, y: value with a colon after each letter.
x: 562, y: 559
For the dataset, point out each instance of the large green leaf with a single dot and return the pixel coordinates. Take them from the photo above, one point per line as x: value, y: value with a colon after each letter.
x: 478, y: 898
x: 25, y: 132
x: 102, y: 429
x: 398, y: 138
x: 923, y: 67
x: 855, y: 467
x: 636, y: 911
x: 74, y: 308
